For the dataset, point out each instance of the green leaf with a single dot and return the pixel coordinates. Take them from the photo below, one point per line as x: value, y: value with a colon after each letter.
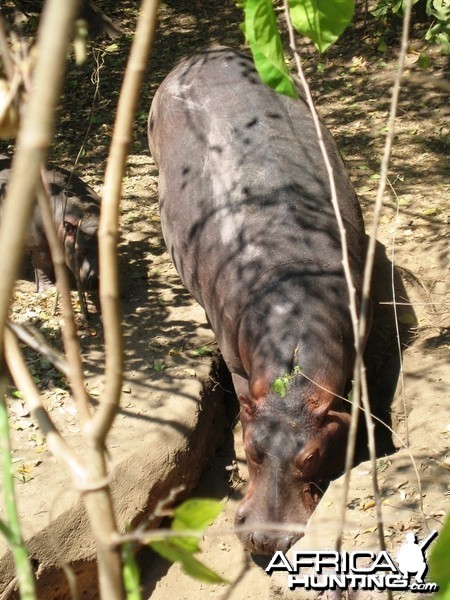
x: 159, y: 367
x: 424, y: 61
x: 196, y: 513
x: 439, y: 571
x: 191, y: 566
x: 279, y: 386
x: 203, y: 351
x: 382, y: 46
x: 439, y: 9
x: 322, y: 21
x: 261, y: 31
x: 428, y: 212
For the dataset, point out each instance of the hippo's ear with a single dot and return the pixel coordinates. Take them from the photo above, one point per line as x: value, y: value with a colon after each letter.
x: 247, y: 404
x: 334, y: 408
x: 321, y: 411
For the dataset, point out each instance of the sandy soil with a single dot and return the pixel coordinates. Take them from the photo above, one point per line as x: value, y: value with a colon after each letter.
x: 351, y: 87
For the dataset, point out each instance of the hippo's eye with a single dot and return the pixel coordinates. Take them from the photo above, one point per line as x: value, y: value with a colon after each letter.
x: 307, y: 464
x: 69, y: 228
x: 253, y: 453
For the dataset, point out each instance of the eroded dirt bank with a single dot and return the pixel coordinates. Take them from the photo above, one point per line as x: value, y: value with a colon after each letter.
x: 164, y: 329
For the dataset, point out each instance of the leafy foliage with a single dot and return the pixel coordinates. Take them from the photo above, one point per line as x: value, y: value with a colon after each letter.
x: 321, y: 21
x: 260, y: 29
x: 280, y: 385
x: 439, y: 32
x: 439, y: 562
x: 192, y: 516
x: 386, y: 9
x: 131, y: 574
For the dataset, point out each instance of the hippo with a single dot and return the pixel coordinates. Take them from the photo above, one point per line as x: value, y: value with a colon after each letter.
x: 247, y: 218
x: 76, y: 211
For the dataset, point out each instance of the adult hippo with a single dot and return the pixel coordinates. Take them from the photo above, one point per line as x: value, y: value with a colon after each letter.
x: 76, y: 212
x: 247, y: 218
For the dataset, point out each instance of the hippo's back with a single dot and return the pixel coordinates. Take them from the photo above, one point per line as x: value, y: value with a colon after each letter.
x: 244, y: 194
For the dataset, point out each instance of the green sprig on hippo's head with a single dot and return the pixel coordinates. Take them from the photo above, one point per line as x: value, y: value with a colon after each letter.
x: 280, y: 385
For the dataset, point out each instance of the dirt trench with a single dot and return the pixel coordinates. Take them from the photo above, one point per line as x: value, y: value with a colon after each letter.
x: 164, y: 329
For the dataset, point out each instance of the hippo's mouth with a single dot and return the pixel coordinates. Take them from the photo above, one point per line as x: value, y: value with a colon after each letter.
x: 265, y: 535
x: 267, y: 542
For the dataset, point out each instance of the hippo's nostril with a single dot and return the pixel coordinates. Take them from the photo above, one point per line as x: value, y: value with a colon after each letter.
x: 240, y: 516
x: 287, y: 542
x: 268, y: 542
x: 260, y: 542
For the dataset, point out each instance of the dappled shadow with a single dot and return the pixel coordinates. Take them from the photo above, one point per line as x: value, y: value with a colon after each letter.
x: 148, y: 298
x: 392, y: 330
x: 223, y: 246
x: 247, y: 219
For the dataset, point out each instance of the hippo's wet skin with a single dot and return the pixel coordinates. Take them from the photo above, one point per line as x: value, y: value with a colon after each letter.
x: 76, y: 212
x: 247, y: 218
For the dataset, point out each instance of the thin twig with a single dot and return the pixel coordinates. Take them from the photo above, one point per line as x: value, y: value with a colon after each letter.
x: 12, y: 586
x: 397, y: 327
x: 36, y: 341
x: 32, y: 143
x: 360, y: 391
x: 395, y: 435
x: 25, y: 383
x: 95, y: 79
x: 69, y: 331
x: 109, y: 219
x: 98, y: 503
x: 370, y: 258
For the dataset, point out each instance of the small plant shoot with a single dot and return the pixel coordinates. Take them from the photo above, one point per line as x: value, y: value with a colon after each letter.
x: 280, y: 385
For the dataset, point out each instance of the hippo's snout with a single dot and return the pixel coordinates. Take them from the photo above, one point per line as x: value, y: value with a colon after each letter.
x: 89, y: 273
x: 258, y: 538
x: 82, y: 258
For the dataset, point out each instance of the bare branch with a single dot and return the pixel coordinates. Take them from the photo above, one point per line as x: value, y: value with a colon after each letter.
x: 35, y: 340
x: 4, y: 52
x: 109, y: 219
x: 24, y: 382
x: 33, y: 141
x: 69, y: 331
x: 370, y: 262
x: 360, y: 391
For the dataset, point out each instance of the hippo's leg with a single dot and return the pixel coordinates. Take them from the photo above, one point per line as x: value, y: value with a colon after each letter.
x: 43, y: 270
x: 240, y: 385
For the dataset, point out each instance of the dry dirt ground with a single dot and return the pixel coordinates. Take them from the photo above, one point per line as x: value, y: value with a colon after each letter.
x: 164, y: 329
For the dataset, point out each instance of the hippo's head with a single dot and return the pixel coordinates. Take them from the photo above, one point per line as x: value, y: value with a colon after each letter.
x: 293, y: 448
x: 78, y: 230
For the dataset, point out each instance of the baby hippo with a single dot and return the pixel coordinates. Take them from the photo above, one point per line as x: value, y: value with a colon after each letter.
x: 76, y: 212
